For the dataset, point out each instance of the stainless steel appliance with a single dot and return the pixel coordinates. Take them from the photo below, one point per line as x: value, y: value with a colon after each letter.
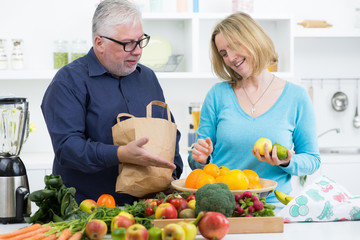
x: 14, y: 185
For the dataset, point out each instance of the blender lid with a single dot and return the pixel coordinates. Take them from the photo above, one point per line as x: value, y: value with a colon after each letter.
x: 11, y: 100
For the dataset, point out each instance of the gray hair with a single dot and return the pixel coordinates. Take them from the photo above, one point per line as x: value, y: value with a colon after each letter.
x: 111, y: 13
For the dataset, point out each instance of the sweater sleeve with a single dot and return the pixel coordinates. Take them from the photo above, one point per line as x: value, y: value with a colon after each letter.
x: 306, y: 159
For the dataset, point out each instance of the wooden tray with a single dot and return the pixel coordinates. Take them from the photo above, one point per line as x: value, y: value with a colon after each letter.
x: 239, y: 224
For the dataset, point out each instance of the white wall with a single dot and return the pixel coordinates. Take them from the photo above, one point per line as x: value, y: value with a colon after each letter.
x: 29, y: 20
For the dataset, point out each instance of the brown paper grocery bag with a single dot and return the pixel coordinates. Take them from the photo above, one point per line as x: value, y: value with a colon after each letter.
x: 139, y: 180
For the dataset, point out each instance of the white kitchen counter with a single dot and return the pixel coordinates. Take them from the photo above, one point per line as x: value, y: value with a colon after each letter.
x: 292, y: 231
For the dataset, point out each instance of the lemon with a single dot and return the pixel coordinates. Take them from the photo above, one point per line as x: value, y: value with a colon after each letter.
x: 260, y: 144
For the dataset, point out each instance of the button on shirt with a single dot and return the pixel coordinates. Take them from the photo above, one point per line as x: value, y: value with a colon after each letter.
x: 80, y: 107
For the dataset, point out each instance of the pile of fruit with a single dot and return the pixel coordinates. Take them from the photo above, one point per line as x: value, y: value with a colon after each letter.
x: 235, y: 179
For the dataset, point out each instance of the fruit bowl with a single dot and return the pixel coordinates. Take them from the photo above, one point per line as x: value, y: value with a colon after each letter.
x: 268, y: 187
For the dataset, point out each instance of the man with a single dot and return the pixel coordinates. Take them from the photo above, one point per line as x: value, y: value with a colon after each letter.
x: 81, y: 104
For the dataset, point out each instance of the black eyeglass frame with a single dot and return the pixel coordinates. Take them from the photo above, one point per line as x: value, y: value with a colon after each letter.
x: 146, y: 37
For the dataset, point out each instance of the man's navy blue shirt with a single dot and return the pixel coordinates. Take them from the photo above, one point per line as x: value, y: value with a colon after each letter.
x: 80, y: 107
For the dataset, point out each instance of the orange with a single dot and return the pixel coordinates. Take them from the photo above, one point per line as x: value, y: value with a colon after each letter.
x: 204, y: 179
x: 252, y: 176
x: 107, y: 200
x: 236, y: 180
x: 254, y: 186
x: 219, y: 179
x: 212, y: 169
x: 193, y: 177
x: 223, y: 170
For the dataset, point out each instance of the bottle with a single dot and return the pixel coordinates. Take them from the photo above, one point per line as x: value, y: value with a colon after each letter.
x: 17, y: 58
x: 191, y: 135
x: 357, y: 18
x: 78, y: 49
x: 195, y: 6
x: 61, y: 56
x: 3, y: 56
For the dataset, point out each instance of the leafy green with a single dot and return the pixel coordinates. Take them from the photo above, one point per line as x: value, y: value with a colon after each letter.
x: 56, y: 202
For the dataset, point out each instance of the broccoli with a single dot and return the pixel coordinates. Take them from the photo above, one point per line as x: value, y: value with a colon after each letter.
x: 215, y: 197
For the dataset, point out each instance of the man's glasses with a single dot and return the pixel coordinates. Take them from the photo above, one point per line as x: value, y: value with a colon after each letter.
x: 130, y: 46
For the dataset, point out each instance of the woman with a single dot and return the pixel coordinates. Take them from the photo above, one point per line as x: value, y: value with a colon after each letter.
x: 252, y: 103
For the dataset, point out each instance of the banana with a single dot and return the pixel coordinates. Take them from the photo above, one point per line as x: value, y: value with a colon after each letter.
x: 282, y: 197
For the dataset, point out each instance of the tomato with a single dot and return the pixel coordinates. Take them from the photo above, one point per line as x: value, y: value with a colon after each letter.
x: 107, y: 200
x: 179, y: 203
x: 190, y: 197
x: 175, y: 202
x: 149, y: 211
x: 159, y: 201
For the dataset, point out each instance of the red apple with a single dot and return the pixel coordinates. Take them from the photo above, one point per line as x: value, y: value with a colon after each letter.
x: 128, y: 215
x: 166, y: 211
x: 96, y: 229
x: 120, y: 221
x: 137, y: 232
x: 173, y: 231
x: 88, y: 205
x: 213, y: 225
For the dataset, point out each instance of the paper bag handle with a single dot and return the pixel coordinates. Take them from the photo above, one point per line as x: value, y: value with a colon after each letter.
x: 159, y: 103
x: 123, y: 115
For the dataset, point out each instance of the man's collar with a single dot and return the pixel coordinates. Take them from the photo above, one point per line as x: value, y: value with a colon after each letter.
x: 96, y: 68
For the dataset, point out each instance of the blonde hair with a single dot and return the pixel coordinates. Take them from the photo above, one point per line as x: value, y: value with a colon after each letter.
x: 240, y: 29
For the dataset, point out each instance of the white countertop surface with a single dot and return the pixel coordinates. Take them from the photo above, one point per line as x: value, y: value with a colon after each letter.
x: 292, y: 231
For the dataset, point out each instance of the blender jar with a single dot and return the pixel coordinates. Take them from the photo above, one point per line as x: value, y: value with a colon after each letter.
x: 14, y: 125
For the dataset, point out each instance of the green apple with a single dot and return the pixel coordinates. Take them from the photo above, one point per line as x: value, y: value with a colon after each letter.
x: 118, y: 233
x: 155, y: 233
x: 88, y: 205
x: 190, y: 230
x: 173, y: 231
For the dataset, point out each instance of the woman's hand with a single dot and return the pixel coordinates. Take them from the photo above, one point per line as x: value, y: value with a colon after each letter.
x: 202, y: 150
x: 272, y: 157
x: 135, y: 153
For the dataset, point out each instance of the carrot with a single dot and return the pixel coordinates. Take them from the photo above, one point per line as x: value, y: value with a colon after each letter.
x: 20, y: 231
x: 76, y: 236
x: 65, y: 234
x: 28, y: 235
x: 51, y: 237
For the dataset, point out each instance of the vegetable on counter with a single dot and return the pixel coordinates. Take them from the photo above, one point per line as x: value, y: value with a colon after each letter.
x: 56, y: 202
x: 215, y: 197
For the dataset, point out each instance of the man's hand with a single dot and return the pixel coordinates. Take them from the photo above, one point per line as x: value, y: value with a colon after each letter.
x: 135, y: 153
x: 202, y: 150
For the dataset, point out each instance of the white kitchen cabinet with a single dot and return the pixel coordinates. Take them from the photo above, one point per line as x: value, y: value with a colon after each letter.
x: 189, y: 35
x: 343, y: 169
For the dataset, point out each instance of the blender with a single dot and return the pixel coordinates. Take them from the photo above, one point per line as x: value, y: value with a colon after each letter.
x: 14, y: 185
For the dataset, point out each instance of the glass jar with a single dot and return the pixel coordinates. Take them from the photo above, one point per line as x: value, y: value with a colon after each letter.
x: 78, y: 49
x: 61, y: 55
x: 3, y: 56
x: 357, y: 18
x: 17, y: 57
